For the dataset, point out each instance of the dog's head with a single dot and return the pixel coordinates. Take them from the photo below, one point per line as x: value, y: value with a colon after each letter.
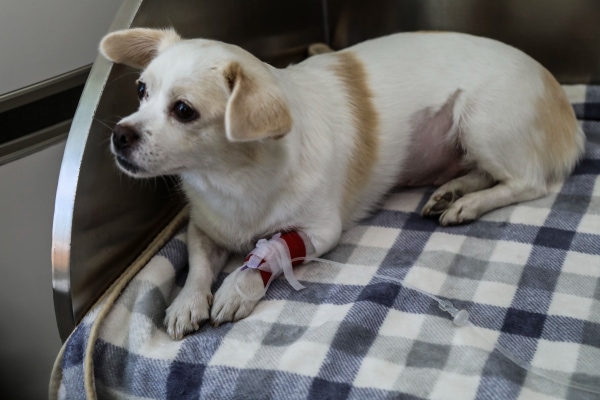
x: 202, y: 103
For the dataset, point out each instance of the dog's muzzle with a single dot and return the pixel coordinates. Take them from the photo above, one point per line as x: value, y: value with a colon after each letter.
x: 124, y: 139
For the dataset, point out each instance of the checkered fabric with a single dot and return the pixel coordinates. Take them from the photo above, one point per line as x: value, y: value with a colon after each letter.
x: 528, y: 274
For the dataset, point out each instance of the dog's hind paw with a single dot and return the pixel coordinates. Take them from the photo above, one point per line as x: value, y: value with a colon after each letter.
x: 187, y: 312
x: 460, y: 212
x: 237, y: 296
x: 440, y: 202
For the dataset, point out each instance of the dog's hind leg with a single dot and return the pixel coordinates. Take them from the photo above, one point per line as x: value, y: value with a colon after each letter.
x: 470, y: 206
x: 507, y: 170
x: 538, y: 145
x: 500, y: 178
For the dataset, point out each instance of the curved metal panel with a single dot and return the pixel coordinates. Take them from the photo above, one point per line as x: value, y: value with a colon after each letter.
x: 562, y: 35
x: 62, y: 231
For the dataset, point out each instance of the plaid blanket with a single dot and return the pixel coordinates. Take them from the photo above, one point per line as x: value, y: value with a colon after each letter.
x: 528, y: 274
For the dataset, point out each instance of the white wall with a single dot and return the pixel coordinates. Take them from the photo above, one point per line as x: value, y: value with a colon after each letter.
x: 29, y: 340
x: 40, y: 39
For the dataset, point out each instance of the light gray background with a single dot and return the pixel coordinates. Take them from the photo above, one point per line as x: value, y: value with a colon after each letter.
x: 38, y: 40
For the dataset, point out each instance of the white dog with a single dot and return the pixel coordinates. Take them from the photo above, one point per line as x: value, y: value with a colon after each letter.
x: 313, y: 148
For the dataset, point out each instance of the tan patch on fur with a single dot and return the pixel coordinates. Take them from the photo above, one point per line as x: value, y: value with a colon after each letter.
x: 137, y: 47
x: 255, y: 110
x: 230, y: 73
x: 556, y: 118
x: 354, y: 77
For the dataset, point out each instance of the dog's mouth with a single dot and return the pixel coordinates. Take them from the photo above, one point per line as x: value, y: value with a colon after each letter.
x: 128, y: 166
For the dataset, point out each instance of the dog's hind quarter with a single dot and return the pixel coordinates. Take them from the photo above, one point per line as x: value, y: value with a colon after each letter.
x: 555, y: 119
x: 353, y: 77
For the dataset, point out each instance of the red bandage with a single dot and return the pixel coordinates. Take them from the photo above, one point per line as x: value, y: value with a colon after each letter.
x: 296, y: 248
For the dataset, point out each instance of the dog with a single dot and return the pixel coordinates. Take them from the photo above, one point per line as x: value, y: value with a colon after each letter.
x: 314, y: 147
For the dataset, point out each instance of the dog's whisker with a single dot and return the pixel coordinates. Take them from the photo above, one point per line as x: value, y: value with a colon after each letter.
x: 105, y: 142
x: 103, y: 124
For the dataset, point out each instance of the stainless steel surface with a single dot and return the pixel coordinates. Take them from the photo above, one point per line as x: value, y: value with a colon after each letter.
x: 33, y: 143
x: 41, y: 139
x: 274, y: 30
x: 73, y: 295
x: 564, y: 35
x: 103, y: 219
x: 43, y: 89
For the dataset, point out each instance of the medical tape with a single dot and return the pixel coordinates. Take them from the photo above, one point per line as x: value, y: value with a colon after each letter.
x: 273, y: 257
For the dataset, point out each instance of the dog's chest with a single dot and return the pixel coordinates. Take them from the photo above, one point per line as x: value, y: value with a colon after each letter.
x: 233, y: 224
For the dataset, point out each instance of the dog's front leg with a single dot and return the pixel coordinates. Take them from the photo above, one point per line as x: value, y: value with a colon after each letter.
x: 243, y: 288
x: 191, y: 307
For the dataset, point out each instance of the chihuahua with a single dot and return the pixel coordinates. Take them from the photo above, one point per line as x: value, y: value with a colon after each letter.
x: 313, y: 148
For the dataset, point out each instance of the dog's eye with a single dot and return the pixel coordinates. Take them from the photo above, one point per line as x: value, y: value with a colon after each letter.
x: 183, y: 112
x: 141, y: 90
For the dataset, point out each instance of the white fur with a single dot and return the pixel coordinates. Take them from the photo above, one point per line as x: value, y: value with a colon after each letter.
x: 240, y: 192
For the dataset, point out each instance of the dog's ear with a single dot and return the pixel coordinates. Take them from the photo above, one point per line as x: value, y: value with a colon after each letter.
x: 256, y: 108
x: 137, y: 47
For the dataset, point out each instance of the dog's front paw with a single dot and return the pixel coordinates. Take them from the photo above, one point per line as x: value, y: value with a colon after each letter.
x: 237, y: 296
x: 189, y: 309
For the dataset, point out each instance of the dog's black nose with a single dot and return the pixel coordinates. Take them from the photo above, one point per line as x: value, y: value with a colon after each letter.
x: 124, y: 136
